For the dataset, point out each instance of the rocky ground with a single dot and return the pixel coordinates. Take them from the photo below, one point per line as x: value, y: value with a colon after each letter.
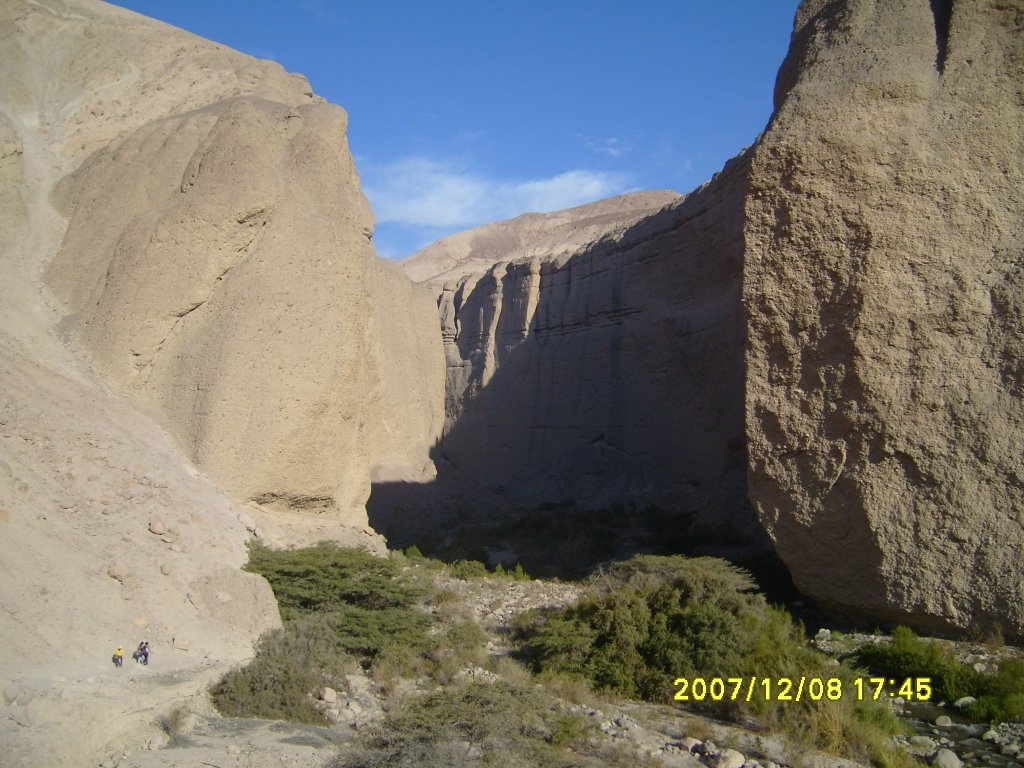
x: 193, y: 734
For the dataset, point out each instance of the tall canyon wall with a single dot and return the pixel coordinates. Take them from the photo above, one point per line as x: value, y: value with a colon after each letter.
x: 186, y: 280
x: 217, y: 264
x: 598, y: 364
x: 883, y: 289
x: 872, y: 369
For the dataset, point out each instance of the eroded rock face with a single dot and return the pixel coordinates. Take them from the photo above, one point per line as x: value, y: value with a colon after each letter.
x: 197, y: 216
x: 217, y: 264
x: 600, y: 364
x: 884, y: 231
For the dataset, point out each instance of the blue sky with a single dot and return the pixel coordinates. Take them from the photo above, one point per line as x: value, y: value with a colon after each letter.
x: 468, y: 111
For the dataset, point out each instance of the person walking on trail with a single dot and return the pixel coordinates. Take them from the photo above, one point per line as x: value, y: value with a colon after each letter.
x: 119, y: 656
x: 140, y: 655
x: 145, y: 652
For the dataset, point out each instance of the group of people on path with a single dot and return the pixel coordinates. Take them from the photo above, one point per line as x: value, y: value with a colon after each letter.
x: 140, y: 655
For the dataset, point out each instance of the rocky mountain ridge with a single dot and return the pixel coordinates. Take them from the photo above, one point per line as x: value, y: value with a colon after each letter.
x: 542, y: 234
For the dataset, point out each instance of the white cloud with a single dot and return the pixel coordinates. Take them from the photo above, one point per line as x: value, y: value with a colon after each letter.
x: 613, y: 146
x: 421, y: 192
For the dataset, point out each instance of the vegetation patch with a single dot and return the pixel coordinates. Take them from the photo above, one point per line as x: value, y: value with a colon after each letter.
x: 480, y: 724
x: 999, y: 693
x: 650, y: 620
x: 344, y: 609
x: 290, y: 663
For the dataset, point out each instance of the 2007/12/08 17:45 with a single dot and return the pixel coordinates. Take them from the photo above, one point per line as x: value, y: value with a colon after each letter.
x: 800, y: 689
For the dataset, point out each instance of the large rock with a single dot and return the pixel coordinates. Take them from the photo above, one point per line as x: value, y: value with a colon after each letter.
x: 197, y: 215
x: 217, y: 264
x: 884, y: 289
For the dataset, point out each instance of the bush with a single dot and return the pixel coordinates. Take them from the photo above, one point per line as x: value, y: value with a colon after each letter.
x: 290, y: 664
x: 339, y: 606
x: 480, y: 724
x: 368, y: 602
x: 999, y: 694
x: 325, y: 578
x: 468, y: 570
x: 176, y: 724
x: 650, y: 620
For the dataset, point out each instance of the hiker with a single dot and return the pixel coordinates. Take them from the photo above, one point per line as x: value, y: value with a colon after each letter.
x: 140, y: 655
x: 118, y: 656
x: 145, y: 652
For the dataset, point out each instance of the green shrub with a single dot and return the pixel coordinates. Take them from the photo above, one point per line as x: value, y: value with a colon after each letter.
x: 368, y: 602
x: 650, y: 620
x: 480, y: 724
x: 290, y: 664
x: 468, y: 569
x: 339, y: 606
x: 325, y: 577
x: 365, y: 632
x: 466, y: 639
x: 999, y: 693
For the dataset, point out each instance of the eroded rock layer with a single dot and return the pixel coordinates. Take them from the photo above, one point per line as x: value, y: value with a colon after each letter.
x: 600, y: 364
x: 883, y: 291
x: 217, y: 263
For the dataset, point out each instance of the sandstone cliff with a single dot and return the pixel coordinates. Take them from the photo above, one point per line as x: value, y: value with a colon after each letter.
x: 883, y: 292
x: 217, y: 264
x: 197, y: 217
x: 598, y: 362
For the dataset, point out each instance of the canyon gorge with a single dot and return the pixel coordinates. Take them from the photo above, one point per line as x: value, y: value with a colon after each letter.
x: 817, y: 353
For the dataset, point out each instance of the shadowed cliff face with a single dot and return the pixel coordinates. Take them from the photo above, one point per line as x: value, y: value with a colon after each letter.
x: 609, y: 379
x: 559, y: 370
x: 884, y: 231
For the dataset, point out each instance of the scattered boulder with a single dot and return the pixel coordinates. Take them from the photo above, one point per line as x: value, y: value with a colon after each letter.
x: 118, y: 571
x: 328, y: 695
x: 946, y: 758
x: 689, y: 744
x: 924, y: 743
x: 729, y: 758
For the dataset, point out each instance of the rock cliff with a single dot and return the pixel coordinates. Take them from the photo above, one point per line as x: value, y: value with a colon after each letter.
x: 878, y: 222
x: 217, y: 259
x: 597, y: 361
x: 545, y: 235
x: 186, y: 279
x: 883, y: 290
